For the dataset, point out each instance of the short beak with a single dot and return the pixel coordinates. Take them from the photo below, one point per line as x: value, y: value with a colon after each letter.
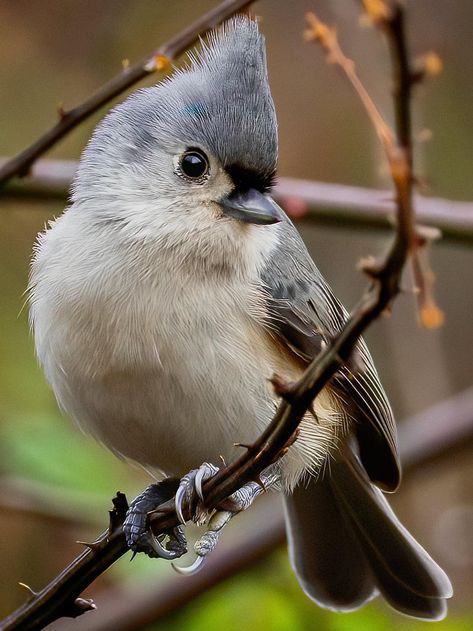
x: 252, y: 207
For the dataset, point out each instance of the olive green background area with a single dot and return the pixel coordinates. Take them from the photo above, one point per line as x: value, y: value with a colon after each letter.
x: 55, y: 482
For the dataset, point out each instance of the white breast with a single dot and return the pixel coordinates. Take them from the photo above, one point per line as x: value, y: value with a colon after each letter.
x: 167, y: 368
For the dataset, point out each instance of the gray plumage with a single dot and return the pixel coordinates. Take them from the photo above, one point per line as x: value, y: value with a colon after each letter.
x: 306, y: 314
x: 345, y: 543
x: 162, y: 301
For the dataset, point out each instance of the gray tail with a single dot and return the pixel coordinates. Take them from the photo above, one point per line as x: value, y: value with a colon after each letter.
x: 346, y: 545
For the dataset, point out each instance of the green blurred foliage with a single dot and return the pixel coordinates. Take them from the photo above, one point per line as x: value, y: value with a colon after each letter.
x: 270, y: 598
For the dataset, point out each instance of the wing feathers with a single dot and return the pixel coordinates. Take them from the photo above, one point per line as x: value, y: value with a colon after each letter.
x: 304, y: 313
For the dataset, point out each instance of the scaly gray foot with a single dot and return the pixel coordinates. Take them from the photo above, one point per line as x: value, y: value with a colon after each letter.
x: 170, y: 544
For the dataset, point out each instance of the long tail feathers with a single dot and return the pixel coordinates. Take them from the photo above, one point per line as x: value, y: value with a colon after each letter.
x: 346, y: 545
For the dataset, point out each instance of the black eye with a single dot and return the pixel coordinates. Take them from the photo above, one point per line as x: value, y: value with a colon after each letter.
x: 194, y: 164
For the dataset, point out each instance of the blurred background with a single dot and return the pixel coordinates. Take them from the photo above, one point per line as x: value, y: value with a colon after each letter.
x: 55, y: 483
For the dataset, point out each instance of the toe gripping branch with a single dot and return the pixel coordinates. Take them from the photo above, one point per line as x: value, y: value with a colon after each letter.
x: 191, y: 487
x: 138, y: 535
x: 189, y: 501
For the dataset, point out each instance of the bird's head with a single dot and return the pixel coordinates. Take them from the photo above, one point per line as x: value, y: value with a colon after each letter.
x: 195, y: 154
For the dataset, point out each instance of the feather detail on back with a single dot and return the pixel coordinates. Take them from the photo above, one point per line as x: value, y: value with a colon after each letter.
x: 304, y: 313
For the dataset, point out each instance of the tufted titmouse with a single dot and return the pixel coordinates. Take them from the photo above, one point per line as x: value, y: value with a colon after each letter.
x: 170, y: 291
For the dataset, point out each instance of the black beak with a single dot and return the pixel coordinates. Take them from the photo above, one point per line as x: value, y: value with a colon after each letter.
x: 252, y: 207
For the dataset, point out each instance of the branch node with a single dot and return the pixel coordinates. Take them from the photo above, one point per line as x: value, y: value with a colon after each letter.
x: 426, y: 234
x: 118, y: 513
x: 283, y: 388
x: 426, y: 65
x: 120, y: 504
x: 157, y: 63
x: 370, y: 266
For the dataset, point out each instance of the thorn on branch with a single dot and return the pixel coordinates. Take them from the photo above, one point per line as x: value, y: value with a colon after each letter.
x: 244, y: 445
x: 80, y: 606
x: 283, y: 388
x: 94, y: 546
x: 61, y: 112
x: 31, y: 593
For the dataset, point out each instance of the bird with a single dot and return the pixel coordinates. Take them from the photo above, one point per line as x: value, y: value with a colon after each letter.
x: 169, y: 292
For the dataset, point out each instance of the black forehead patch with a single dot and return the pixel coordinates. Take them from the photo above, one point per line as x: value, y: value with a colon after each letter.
x: 244, y: 178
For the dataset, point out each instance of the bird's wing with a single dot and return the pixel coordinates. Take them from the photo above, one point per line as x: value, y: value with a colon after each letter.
x: 304, y: 313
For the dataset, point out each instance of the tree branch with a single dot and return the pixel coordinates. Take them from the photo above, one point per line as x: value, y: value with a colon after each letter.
x: 61, y: 597
x: 158, y: 61
x: 389, y: 18
x: 435, y: 435
x: 303, y: 200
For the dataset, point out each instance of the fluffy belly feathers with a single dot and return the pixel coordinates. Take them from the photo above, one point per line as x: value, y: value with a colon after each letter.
x: 171, y: 378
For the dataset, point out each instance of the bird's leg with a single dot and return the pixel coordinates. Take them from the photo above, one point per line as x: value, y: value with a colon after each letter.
x: 228, y: 508
x: 137, y: 532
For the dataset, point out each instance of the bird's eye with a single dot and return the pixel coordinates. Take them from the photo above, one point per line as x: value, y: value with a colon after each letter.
x: 194, y: 164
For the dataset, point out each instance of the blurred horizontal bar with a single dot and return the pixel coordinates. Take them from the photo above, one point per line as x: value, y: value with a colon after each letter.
x: 342, y: 205
x: 335, y: 204
x: 434, y: 435
x: 437, y: 432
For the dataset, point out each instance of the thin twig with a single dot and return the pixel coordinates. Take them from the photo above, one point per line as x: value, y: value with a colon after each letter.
x: 61, y: 597
x: 158, y: 61
x: 389, y: 18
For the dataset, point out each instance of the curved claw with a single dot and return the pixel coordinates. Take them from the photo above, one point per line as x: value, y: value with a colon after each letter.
x: 178, y: 502
x: 153, y: 542
x: 191, y: 569
x: 198, y: 482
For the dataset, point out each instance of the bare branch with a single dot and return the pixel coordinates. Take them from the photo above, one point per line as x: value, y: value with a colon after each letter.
x: 389, y: 18
x: 434, y: 435
x: 303, y: 200
x: 158, y: 61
